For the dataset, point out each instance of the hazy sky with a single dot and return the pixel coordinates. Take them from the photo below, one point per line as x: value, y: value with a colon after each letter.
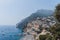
x: 13, y: 11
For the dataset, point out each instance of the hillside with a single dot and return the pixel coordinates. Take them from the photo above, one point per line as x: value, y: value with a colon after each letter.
x: 33, y: 16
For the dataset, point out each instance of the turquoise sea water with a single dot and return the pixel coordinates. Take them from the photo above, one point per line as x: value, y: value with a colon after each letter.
x: 10, y: 33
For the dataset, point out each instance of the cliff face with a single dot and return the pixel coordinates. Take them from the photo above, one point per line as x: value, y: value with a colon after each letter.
x: 33, y: 16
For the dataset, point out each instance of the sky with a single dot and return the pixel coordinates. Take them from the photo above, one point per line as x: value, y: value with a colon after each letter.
x: 13, y: 11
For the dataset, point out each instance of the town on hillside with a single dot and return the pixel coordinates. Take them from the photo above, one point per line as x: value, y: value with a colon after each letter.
x: 40, y: 26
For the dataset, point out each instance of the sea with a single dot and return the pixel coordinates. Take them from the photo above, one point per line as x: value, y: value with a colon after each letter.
x: 10, y: 33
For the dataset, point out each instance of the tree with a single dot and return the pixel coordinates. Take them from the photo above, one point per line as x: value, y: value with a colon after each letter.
x: 57, y: 17
x: 46, y: 37
x: 42, y: 37
x: 57, y: 12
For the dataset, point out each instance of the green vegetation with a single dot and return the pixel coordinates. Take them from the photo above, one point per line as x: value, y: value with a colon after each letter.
x: 45, y: 37
x: 57, y: 12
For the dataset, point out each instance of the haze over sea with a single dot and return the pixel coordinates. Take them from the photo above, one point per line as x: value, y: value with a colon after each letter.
x: 9, y: 33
